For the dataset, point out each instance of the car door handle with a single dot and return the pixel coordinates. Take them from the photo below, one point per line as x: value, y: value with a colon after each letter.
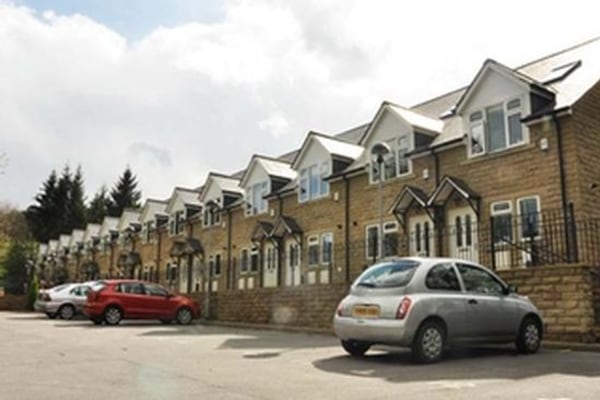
x: 472, y: 301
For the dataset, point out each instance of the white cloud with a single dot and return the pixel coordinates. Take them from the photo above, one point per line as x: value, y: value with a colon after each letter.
x: 198, y: 97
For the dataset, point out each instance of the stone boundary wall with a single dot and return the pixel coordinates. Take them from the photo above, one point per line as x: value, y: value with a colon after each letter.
x: 564, y: 296
x: 11, y: 302
x: 306, y: 306
x: 567, y: 296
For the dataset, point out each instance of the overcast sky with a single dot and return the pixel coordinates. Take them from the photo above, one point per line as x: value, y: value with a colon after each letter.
x: 177, y: 88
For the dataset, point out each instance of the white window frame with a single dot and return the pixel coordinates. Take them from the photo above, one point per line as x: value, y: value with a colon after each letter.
x: 244, y: 271
x: 324, y: 236
x: 483, y: 124
x: 211, y: 217
x: 508, y: 211
x: 317, y: 172
x: 271, y: 257
x: 212, y: 259
x: 263, y: 189
x: 389, y: 227
x: 312, y: 241
x: 539, y: 211
x: 394, y: 147
x: 254, y: 252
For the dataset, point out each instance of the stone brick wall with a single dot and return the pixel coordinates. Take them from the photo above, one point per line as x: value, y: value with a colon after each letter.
x: 565, y: 297
x: 308, y: 306
x: 10, y: 302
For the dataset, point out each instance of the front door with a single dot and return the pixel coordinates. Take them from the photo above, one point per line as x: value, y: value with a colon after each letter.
x: 292, y: 259
x: 461, y: 231
x: 421, y: 236
x: 270, y: 265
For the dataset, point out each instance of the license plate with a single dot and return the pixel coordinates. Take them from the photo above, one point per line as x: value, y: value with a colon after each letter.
x: 365, y: 312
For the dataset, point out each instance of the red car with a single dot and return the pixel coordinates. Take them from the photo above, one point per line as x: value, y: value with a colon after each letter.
x: 114, y: 300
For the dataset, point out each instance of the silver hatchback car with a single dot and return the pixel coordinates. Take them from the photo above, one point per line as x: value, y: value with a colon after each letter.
x: 430, y: 303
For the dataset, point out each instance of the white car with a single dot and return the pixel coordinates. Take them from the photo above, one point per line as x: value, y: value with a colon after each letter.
x: 64, y: 301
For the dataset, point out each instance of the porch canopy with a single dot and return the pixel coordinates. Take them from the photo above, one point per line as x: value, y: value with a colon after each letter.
x: 450, y: 185
x: 409, y: 197
x: 287, y: 226
x: 261, y: 232
x: 186, y: 247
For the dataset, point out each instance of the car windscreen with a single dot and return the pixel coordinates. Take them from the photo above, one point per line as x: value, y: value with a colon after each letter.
x: 388, y: 274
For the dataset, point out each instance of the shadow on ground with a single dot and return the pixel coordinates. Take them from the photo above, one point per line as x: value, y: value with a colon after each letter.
x: 464, y: 364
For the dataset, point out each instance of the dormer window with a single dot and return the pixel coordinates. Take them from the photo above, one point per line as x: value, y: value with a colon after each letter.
x: 496, y: 127
x: 255, y: 201
x: 176, y: 223
x: 396, y: 163
x: 312, y: 183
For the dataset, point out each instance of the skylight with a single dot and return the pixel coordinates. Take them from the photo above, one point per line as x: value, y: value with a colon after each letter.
x: 561, y: 72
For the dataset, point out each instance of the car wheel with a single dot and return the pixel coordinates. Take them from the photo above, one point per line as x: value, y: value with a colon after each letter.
x: 112, y: 315
x: 428, y: 344
x: 50, y: 315
x: 355, y: 348
x: 184, y: 316
x: 529, y: 339
x: 66, y: 312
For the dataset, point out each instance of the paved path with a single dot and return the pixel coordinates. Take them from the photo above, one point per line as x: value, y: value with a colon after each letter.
x: 43, y: 359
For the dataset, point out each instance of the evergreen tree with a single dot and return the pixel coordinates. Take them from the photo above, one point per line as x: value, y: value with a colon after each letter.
x: 62, y: 217
x: 15, y: 278
x: 99, y: 205
x: 124, y: 194
x: 76, y: 203
x: 42, y: 216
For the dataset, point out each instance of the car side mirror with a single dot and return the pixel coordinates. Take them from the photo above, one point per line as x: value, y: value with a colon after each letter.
x: 510, y: 289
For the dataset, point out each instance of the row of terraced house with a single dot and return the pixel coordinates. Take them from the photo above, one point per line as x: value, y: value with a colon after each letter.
x: 503, y: 172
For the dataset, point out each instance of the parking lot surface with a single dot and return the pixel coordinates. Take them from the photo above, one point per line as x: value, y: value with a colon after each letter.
x: 53, y: 359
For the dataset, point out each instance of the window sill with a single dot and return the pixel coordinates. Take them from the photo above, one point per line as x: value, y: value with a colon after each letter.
x: 410, y: 175
x: 500, y: 153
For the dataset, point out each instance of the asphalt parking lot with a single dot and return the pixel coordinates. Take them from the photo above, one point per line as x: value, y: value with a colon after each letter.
x: 53, y: 359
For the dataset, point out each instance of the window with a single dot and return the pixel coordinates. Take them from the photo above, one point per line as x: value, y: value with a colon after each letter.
x: 312, y: 183
x: 131, y: 288
x: 496, y: 128
x: 388, y: 274
x: 254, y: 259
x: 396, y: 163
x: 244, y: 261
x: 271, y: 258
x: 442, y: 277
x: 529, y: 211
x: 390, y: 240
x: 211, y: 216
x: 179, y: 222
x: 214, y: 263
x: 256, y: 203
x: 294, y: 254
x: 155, y: 290
x: 326, y: 248
x: 479, y: 281
x: 313, y: 250
x: 502, y: 219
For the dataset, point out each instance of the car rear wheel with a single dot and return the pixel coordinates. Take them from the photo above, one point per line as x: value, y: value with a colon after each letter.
x: 113, y: 315
x: 529, y: 339
x: 355, y: 348
x: 50, y: 315
x: 66, y: 312
x: 428, y: 344
x: 184, y: 316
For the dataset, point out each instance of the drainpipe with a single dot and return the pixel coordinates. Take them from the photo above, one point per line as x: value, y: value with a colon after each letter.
x: 158, y: 255
x: 230, y: 271
x: 563, y: 186
x: 190, y: 259
x: 281, y: 248
x: 347, y: 227
x: 439, y: 236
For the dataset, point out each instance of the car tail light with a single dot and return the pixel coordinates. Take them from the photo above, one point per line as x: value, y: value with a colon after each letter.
x: 339, y: 310
x: 403, y: 308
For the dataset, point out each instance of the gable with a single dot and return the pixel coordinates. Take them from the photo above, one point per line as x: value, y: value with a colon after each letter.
x: 492, y: 89
x: 388, y: 125
x: 257, y: 174
x: 313, y: 153
x: 212, y: 192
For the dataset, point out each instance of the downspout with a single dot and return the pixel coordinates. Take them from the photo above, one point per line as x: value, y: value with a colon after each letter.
x: 230, y: 271
x: 281, y: 244
x: 438, y: 232
x: 190, y: 258
x: 347, y: 227
x: 563, y: 185
x: 158, y: 255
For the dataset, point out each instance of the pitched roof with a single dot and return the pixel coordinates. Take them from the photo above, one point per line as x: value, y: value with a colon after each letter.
x: 128, y: 217
x: 76, y: 237
x: 91, y: 230
x: 109, y: 224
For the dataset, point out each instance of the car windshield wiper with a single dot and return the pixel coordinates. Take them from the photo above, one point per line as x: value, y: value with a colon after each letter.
x: 366, y: 284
